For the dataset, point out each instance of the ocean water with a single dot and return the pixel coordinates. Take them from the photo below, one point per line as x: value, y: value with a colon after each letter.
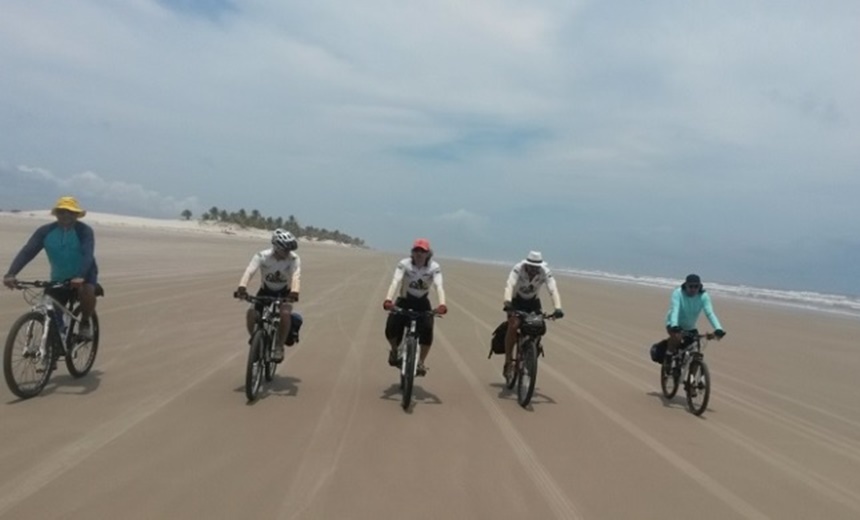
x: 831, y: 303
x: 809, y: 300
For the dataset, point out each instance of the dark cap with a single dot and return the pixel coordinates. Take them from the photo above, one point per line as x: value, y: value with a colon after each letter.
x: 693, y: 279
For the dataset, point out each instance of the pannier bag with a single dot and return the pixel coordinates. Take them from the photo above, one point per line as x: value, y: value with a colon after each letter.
x: 497, y: 343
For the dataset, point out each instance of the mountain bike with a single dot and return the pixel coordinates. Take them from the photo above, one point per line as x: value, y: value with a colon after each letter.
x: 47, y: 332
x: 528, y: 348
x: 687, y: 365
x: 263, y: 340
x: 408, y: 352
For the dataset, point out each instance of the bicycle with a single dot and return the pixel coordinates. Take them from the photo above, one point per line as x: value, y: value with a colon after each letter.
x: 687, y: 365
x: 408, y: 352
x: 48, y: 331
x: 264, y: 338
x: 528, y: 348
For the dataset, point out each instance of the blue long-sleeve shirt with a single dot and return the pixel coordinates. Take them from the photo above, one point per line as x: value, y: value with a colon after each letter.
x: 71, y: 252
x: 684, y: 310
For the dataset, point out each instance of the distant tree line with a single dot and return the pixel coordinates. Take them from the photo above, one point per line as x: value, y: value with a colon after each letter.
x: 255, y: 219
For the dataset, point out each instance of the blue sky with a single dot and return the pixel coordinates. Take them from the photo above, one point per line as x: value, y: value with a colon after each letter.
x: 636, y: 137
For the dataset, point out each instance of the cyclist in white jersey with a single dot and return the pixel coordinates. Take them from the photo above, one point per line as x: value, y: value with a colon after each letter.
x: 521, y: 293
x: 280, y: 274
x: 411, y: 283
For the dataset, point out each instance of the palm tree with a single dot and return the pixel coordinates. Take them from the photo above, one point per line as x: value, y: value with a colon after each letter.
x: 186, y: 214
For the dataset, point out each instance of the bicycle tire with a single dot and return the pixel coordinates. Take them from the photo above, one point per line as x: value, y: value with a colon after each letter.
x: 669, y: 377
x: 527, y: 373
x: 698, y: 394
x: 39, y: 366
x: 270, y: 366
x: 254, y: 368
x: 80, y: 357
x: 408, y: 371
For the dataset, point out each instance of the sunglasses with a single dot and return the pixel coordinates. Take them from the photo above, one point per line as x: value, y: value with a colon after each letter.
x: 693, y: 286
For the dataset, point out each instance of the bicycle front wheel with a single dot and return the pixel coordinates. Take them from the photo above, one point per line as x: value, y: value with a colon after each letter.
x: 698, y: 386
x: 270, y: 366
x: 82, y: 354
x: 407, y: 372
x: 27, y: 364
x: 254, y: 369
x: 527, y: 373
x: 669, y: 377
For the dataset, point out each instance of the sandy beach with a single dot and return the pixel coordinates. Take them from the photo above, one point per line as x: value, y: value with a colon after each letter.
x: 161, y: 428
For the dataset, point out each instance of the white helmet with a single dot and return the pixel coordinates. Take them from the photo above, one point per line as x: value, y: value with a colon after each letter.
x: 283, y: 239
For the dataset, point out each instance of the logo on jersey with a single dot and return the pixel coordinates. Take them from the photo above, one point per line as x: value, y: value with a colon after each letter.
x: 419, y: 284
x: 276, y: 277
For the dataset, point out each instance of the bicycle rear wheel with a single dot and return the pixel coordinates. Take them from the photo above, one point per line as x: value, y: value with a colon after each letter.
x: 407, y: 371
x: 698, y: 387
x: 254, y: 369
x: 25, y: 367
x: 669, y: 377
x: 527, y: 373
x: 82, y: 354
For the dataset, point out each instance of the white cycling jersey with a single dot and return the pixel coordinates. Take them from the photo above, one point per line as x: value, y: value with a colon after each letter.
x: 527, y: 288
x: 275, y: 274
x: 416, y: 280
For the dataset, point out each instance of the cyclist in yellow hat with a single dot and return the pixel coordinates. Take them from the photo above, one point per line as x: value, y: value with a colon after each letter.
x: 70, y: 246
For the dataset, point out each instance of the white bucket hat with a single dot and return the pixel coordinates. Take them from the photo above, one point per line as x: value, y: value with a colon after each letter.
x: 535, y: 258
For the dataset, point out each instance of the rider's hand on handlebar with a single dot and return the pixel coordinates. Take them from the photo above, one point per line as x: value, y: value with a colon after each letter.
x: 388, y: 305
x: 558, y: 314
x: 10, y: 281
x: 719, y: 333
x: 507, y: 306
x: 293, y: 297
x: 76, y: 282
x: 442, y: 309
x: 240, y: 293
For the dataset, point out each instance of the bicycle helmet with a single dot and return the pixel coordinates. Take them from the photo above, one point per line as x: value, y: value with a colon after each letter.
x: 284, y: 240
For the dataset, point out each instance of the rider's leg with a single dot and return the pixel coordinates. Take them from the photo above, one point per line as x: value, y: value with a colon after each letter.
x: 286, y: 323
x: 87, y: 297
x: 250, y: 319
x: 511, y: 338
x: 394, y: 327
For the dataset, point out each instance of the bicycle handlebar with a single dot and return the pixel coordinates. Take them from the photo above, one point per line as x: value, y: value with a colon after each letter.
x: 263, y: 299
x: 41, y: 284
x: 413, y: 313
x: 523, y: 314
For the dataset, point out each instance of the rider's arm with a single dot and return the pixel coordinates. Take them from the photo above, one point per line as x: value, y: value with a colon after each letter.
x: 295, y: 283
x: 395, y: 281
x: 30, y: 249
x: 553, y: 289
x: 674, y: 309
x: 440, y: 289
x: 87, y: 239
x: 252, y: 268
x: 512, y: 282
x: 709, y: 312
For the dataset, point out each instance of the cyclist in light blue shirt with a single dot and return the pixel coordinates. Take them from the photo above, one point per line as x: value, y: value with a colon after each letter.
x: 687, y: 303
x: 70, y: 247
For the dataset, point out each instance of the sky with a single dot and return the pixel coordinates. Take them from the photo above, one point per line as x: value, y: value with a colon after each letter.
x: 647, y: 138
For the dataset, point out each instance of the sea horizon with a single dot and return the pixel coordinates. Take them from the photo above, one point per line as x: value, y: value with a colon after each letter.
x: 831, y: 303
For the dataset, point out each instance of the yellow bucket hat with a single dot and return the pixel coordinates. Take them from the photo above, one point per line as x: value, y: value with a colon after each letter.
x: 70, y: 204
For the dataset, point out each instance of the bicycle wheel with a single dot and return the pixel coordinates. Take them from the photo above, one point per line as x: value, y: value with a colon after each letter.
x: 25, y: 366
x: 527, y: 373
x: 254, y: 369
x: 669, y: 377
x: 407, y: 372
x: 698, y: 386
x: 270, y: 366
x: 82, y: 354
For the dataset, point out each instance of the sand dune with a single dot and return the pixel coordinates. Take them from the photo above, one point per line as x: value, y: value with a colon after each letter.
x: 161, y: 428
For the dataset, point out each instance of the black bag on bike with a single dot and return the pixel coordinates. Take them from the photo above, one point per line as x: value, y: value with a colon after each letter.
x: 533, y: 325
x: 497, y: 343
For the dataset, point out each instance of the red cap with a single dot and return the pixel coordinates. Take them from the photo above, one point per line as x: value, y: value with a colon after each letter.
x: 421, y: 243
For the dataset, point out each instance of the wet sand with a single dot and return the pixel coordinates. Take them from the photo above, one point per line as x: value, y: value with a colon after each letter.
x: 161, y: 428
